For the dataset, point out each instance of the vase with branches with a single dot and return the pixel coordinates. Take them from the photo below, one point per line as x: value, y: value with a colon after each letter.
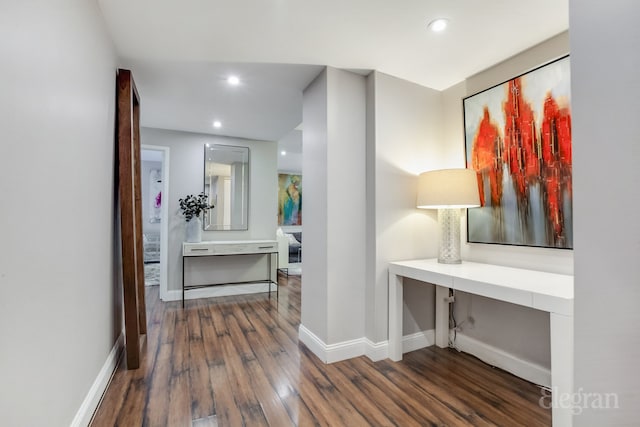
x: 191, y: 207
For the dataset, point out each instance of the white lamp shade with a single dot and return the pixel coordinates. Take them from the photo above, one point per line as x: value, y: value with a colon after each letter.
x: 448, y: 188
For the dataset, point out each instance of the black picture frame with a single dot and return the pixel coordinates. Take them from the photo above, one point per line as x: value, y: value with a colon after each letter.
x: 518, y: 139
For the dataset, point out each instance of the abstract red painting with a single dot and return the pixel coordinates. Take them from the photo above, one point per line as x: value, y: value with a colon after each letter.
x: 518, y: 140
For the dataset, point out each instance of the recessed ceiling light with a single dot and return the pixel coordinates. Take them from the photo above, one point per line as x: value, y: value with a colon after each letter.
x: 283, y: 153
x: 438, y: 25
x: 217, y: 124
x: 233, y: 80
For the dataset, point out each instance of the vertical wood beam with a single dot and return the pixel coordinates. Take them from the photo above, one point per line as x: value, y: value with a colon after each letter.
x: 130, y: 215
x: 137, y: 187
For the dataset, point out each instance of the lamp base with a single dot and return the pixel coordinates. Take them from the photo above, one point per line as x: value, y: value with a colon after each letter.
x: 449, y: 221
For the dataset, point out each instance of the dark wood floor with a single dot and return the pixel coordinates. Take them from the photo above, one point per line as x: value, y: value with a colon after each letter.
x: 236, y: 361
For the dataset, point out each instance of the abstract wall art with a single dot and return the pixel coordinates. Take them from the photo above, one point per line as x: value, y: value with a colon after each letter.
x: 518, y: 140
x: 289, y: 199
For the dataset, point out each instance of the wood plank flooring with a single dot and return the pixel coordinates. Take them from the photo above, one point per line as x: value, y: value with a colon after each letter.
x: 236, y: 361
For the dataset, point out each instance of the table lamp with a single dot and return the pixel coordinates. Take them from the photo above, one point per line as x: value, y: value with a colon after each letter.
x: 448, y: 190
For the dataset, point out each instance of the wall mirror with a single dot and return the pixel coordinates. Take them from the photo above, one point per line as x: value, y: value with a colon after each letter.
x: 226, y: 182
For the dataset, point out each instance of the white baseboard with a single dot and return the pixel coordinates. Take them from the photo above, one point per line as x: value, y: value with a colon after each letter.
x: 330, y: 353
x: 313, y: 343
x: 494, y: 356
x: 380, y: 350
x: 418, y: 340
x: 499, y: 358
x: 91, y: 401
x: 220, y: 291
x: 376, y: 350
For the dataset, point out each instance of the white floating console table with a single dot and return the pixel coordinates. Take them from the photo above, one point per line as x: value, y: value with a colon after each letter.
x: 548, y: 292
x: 230, y: 248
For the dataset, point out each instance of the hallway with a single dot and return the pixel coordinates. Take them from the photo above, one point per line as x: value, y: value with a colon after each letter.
x: 236, y: 361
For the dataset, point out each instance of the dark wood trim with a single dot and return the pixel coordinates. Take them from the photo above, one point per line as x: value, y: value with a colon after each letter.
x: 137, y: 187
x: 130, y: 215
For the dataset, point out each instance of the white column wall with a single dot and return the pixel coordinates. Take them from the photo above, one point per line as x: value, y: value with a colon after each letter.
x: 346, y: 208
x: 60, y: 293
x: 314, y: 310
x: 404, y: 140
x: 333, y: 291
x: 606, y: 103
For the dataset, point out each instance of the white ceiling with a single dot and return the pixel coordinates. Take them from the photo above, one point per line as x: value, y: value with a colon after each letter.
x: 189, y: 96
x: 180, y: 51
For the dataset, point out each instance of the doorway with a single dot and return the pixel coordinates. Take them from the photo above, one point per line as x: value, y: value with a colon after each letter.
x: 155, y: 188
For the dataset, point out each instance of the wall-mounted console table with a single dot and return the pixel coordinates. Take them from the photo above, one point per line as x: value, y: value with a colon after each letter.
x: 231, y: 248
x: 548, y: 292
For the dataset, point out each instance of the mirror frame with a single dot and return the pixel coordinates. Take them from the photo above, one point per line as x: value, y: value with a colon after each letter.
x: 245, y: 216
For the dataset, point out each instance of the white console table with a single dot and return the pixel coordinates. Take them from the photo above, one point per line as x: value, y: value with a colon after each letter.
x: 548, y: 292
x: 231, y: 248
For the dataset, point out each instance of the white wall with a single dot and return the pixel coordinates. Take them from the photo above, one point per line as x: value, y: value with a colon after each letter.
x: 346, y: 207
x: 314, y: 162
x: 291, y: 143
x: 59, y: 295
x: 516, y: 330
x: 186, y: 176
x: 291, y: 163
x: 404, y: 139
x: 606, y: 102
x: 334, y: 210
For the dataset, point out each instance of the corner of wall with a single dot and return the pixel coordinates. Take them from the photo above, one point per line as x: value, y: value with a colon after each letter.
x: 493, y: 326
